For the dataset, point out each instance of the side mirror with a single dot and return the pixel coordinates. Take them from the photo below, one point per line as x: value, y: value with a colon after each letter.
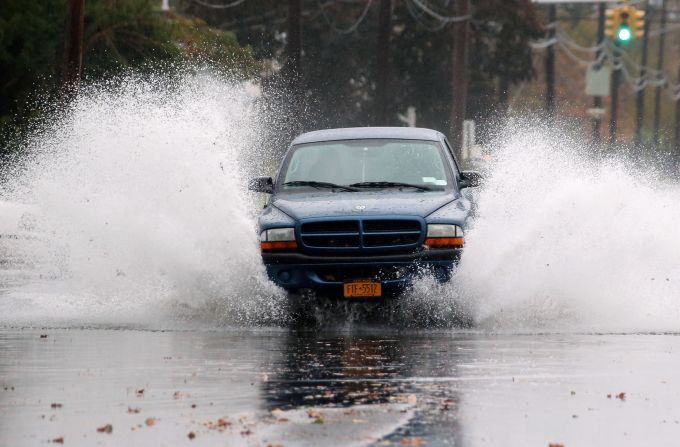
x: 469, y: 179
x: 262, y: 184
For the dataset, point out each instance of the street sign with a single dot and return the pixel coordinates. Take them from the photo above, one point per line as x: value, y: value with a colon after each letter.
x: 598, y: 80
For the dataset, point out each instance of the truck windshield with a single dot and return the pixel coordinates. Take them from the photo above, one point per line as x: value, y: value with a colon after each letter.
x: 368, y: 163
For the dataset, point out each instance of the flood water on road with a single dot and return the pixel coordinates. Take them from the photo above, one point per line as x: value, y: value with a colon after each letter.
x: 350, y: 386
x: 135, y: 310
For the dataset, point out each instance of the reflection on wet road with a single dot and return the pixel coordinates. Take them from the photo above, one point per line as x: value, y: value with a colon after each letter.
x: 352, y: 387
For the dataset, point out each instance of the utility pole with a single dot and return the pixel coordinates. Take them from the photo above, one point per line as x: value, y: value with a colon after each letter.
x: 640, y: 96
x: 459, y: 80
x: 677, y: 126
x: 294, y: 62
x: 597, y: 100
x: 616, y: 80
x: 659, y: 67
x: 550, y: 64
x: 73, y: 47
x: 383, y: 63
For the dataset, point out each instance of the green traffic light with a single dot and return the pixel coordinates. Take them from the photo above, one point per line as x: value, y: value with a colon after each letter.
x: 624, y: 34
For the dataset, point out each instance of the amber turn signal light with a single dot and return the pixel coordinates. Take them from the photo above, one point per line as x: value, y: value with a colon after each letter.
x: 284, y: 245
x: 445, y: 242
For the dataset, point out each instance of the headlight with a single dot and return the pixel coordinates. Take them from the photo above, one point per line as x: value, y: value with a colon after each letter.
x: 278, y: 235
x: 441, y: 230
x: 278, y: 239
x: 444, y: 236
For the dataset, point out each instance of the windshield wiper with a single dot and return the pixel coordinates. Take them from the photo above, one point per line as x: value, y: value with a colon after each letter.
x: 314, y: 184
x: 389, y: 185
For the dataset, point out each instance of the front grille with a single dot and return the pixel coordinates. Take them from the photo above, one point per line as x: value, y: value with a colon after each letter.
x: 391, y: 225
x: 332, y: 226
x: 332, y: 241
x: 386, y: 240
x: 361, y: 233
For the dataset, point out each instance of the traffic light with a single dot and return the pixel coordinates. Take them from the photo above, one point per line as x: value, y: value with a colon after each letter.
x: 624, y: 24
x: 624, y: 33
x: 612, y: 22
x: 637, y: 22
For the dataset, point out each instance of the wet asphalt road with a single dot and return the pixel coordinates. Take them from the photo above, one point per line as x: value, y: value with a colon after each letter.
x: 356, y: 386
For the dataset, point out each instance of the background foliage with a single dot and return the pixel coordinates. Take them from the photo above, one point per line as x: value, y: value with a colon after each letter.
x: 338, y: 67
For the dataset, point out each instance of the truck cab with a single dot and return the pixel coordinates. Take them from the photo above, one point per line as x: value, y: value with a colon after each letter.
x: 362, y: 212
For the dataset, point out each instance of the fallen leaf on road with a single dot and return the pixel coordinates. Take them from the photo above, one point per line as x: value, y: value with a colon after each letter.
x: 43, y: 335
x: 191, y: 435
x: 415, y: 442
x: 219, y: 424
x: 555, y: 445
x: 140, y: 392
x: 312, y: 413
x: 411, y: 399
x: 59, y: 440
x: 108, y: 428
x: 150, y: 422
x: 621, y: 396
x: 318, y: 420
x: 55, y: 405
x: 133, y: 410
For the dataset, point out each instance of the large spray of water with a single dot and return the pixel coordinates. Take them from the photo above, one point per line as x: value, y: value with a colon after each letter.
x: 145, y: 221
x: 565, y: 240
x: 139, y: 185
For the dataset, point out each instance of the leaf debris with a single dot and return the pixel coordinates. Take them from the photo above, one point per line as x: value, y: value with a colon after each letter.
x: 108, y: 429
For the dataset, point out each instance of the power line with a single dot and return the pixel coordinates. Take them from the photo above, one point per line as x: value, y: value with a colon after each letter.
x: 446, y: 19
x: 414, y: 11
x: 354, y: 26
x: 652, y: 77
x: 575, y: 46
x: 217, y: 6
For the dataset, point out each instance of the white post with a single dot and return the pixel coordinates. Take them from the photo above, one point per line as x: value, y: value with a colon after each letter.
x: 410, y: 118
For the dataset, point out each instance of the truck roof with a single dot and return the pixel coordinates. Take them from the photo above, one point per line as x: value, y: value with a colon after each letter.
x: 361, y: 133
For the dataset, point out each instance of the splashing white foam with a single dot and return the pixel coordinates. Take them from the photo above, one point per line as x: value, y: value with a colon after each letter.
x: 565, y: 241
x: 140, y: 188
x: 145, y: 221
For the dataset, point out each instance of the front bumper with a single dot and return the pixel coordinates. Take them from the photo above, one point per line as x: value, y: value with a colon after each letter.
x: 326, y: 274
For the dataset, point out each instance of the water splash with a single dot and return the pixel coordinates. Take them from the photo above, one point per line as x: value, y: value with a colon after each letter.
x: 144, y: 221
x: 566, y: 241
x: 139, y: 185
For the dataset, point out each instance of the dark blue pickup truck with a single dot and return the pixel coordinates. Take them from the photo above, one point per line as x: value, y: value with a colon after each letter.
x: 362, y: 212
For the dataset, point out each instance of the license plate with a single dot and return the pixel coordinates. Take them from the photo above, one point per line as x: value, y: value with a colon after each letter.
x: 362, y: 289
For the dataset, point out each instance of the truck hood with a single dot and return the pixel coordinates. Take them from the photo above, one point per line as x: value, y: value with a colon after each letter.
x: 373, y: 203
